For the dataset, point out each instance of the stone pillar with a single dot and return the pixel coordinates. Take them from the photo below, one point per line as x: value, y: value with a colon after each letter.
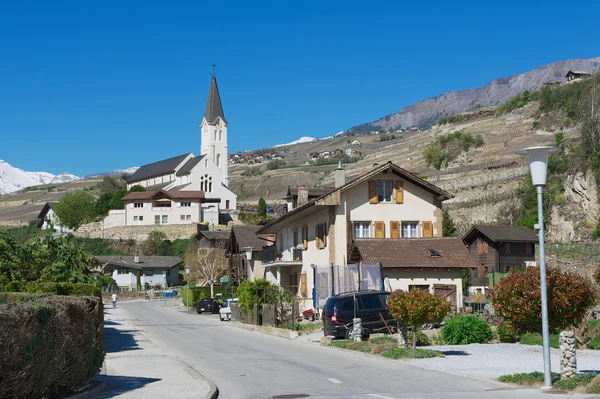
x: 568, y: 358
x: 402, y: 334
x: 356, y: 330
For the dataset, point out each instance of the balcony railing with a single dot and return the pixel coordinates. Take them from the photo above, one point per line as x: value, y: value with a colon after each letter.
x: 288, y: 255
x: 161, y: 208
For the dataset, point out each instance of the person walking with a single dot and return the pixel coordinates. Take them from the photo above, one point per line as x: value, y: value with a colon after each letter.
x: 114, y: 299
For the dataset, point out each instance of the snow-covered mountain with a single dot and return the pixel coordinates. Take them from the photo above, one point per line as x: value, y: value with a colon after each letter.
x: 129, y: 171
x: 14, y: 179
x: 299, y: 141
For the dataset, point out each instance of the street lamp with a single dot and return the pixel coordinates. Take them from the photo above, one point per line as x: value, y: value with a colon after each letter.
x: 538, y: 163
x: 248, y: 251
x: 187, y: 288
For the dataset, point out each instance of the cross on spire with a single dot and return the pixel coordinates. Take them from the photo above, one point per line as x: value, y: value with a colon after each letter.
x: 213, y: 69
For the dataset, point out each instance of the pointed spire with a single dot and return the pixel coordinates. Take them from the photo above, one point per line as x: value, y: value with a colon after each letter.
x: 214, y: 108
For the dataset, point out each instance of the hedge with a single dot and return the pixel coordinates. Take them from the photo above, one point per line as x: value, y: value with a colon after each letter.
x: 77, y: 289
x: 197, y: 293
x: 49, y: 345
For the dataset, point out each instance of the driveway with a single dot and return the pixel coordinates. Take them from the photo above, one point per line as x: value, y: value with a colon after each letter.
x: 245, y: 364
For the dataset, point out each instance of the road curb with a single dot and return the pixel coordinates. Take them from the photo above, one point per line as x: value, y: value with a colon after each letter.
x: 277, y: 332
x: 98, y: 386
x: 213, y: 392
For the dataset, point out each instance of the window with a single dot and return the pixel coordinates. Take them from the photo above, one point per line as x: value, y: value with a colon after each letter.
x: 184, y: 204
x: 220, y: 136
x: 188, y: 217
x: 410, y: 229
x: 165, y: 219
x: 384, y: 190
x: 507, y: 248
x: 141, y: 218
x: 163, y: 205
x: 321, y: 235
x: 482, y: 248
x: 138, y: 204
x: 156, y: 219
x: 362, y: 229
x: 182, y: 217
x: 528, y: 249
x: 369, y: 302
x: 304, y: 237
x: 215, y: 135
x: 135, y: 218
x: 218, y: 160
x: 123, y: 271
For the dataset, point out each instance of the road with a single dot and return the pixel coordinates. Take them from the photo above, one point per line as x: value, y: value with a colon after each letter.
x: 246, y: 364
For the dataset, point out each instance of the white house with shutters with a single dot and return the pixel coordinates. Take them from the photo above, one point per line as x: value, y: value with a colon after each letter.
x: 206, y: 174
x: 386, y: 202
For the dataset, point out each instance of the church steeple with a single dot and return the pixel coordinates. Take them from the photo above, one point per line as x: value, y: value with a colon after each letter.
x: 214, y: 108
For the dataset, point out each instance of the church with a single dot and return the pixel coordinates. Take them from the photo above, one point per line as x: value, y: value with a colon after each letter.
x: 186, y: 188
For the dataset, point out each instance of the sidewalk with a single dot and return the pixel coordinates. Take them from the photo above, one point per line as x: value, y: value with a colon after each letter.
x: 136, y: 367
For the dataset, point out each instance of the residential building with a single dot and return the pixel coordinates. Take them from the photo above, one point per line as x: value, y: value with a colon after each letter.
x: 153, y: 271
x: 303, y: 194
x: 433, y: 264
x: 498, y: 249
x: 207, y: 173
x: 243, y: 242
x: 355, y: 142
x: 169, y: 207
x: 384, y: 202
x: 49, y: 219
x: 577, y: 75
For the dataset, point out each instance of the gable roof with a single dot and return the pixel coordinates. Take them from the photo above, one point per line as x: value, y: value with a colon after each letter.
x: 145, y: 262
x: 501, y: 234
x: 245, y: 236
x: 320, y: 202
x: 145, y: 195
x: 415, y: 252
x: 578, y: 73
x: 45, y: 209
x: 215, y: 235
x: 214, y: 108
x: 189, y: 165
x: 313, y: 192
x: 155, y: 169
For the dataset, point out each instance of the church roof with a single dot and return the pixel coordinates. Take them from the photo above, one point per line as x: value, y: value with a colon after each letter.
x: 189, y: 165
x: 214, y: 108
x: 159, y: 168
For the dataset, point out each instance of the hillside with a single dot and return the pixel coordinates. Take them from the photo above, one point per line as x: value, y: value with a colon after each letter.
x: 425, y: 113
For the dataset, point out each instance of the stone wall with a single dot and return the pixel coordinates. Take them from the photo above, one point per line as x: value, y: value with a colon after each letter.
x: 139, y: 233
x: 568, y: 359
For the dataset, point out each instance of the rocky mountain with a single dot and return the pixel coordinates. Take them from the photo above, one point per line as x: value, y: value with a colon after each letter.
x: 14, y: 179
x: 117, y: 172
x: 425, y: 113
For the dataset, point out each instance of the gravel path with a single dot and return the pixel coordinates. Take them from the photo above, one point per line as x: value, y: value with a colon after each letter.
x: 494, y: 360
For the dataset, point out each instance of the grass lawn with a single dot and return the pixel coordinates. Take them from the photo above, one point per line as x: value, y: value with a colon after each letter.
x: 580, y: 382
x: 386, y: 347
x: 536, y: 339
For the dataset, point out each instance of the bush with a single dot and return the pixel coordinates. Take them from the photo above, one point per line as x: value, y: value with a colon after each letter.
x: 447, y: 148
x: 516, y: 299
x: 505, y: 333
x: 192, y: 295
x: 464, y: 330
x: 422, y: 339
x: 76, y: 289
x: 275, y: 164
x: 56, y: 344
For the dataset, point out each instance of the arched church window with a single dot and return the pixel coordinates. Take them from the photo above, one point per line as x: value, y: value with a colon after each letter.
x: 206, y: 163
x: 220, y: 135
x: 210, y: 187
x: 215, y: 135
x: 218, y: 159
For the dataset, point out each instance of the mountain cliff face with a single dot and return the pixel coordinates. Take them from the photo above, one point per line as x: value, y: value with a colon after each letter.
x: 14, y: 179
x: 425, y: 113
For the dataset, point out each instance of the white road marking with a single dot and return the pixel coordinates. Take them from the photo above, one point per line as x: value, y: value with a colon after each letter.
x: 374, y: 395
x: 335, y: 381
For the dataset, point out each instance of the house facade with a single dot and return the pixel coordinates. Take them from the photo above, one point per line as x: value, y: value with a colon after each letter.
x: 49, y: 219
x: 386, y: 202
x: 153, y: 271
x: 577, y: 75
x: 207, y: 173
x: 498, y: 249
x: 169, y: 207
x: 247, y: 253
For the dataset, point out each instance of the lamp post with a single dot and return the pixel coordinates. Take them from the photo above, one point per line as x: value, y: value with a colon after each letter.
x: 187, y: 288
x: 538, y: 163
x: 248, y: 251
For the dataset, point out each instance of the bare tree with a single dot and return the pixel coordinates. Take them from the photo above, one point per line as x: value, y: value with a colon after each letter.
x: 207, y: 265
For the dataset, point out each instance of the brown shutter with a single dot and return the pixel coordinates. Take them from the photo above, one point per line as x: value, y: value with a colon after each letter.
x: 399, y: 192
x: 303, y: 290
x: 317, y: 237
x: 379, y: 230
x: 324, y: 234
x: 427, y: 229
x: 373, y: 199
x: 507, y: 247
x: 305, y: 236
x: 349, y: 233
x: 394, y: 229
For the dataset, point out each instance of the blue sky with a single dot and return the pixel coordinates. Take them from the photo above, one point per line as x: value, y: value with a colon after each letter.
x: 88, y: 86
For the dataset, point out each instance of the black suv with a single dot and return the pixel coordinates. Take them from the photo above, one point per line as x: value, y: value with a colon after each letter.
x: 371, y: 308
x: 211, y: 305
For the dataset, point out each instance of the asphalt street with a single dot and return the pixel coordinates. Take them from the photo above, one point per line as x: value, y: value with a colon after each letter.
x: 245, y: 364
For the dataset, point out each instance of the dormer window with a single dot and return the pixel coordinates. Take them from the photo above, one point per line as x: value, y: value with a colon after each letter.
x: 434, y: 252
x: 384, y: 190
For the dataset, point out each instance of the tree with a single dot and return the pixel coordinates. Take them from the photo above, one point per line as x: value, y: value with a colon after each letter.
x: 152, y: 244
x: 103, y: 204
x: 516, y: 299
x: 262, y: 208
x: 137, y: 189
x: 417, y: 307
x: 207, y: 265
x: 448, y: 226
x: 115, y: 201
x: 75, y: 209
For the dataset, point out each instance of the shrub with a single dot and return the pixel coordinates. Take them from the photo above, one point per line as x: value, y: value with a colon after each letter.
x: 422, y: 339
x: 76, y: 289
x: 463, y: 330
x: 275, y: 164
x: 516, y: 299
x: 405, y: 353
x: 505, y: 333
x: 417, y: 307
x: 55, y: 344
x: 190, y: 296
x: 447, y: 148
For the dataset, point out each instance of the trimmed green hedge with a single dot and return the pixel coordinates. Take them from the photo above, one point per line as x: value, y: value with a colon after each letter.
x: 195, y: 294
x: 77, y: 289
x: 50, y: 345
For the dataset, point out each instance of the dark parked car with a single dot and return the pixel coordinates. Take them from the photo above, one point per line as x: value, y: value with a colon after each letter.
x: 371, y: 308
x: 206, y: 305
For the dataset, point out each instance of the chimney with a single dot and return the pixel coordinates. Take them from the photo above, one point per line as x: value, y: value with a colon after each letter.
x: 136, y: 259
x: 340, y: 176
x: 302, y: 195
